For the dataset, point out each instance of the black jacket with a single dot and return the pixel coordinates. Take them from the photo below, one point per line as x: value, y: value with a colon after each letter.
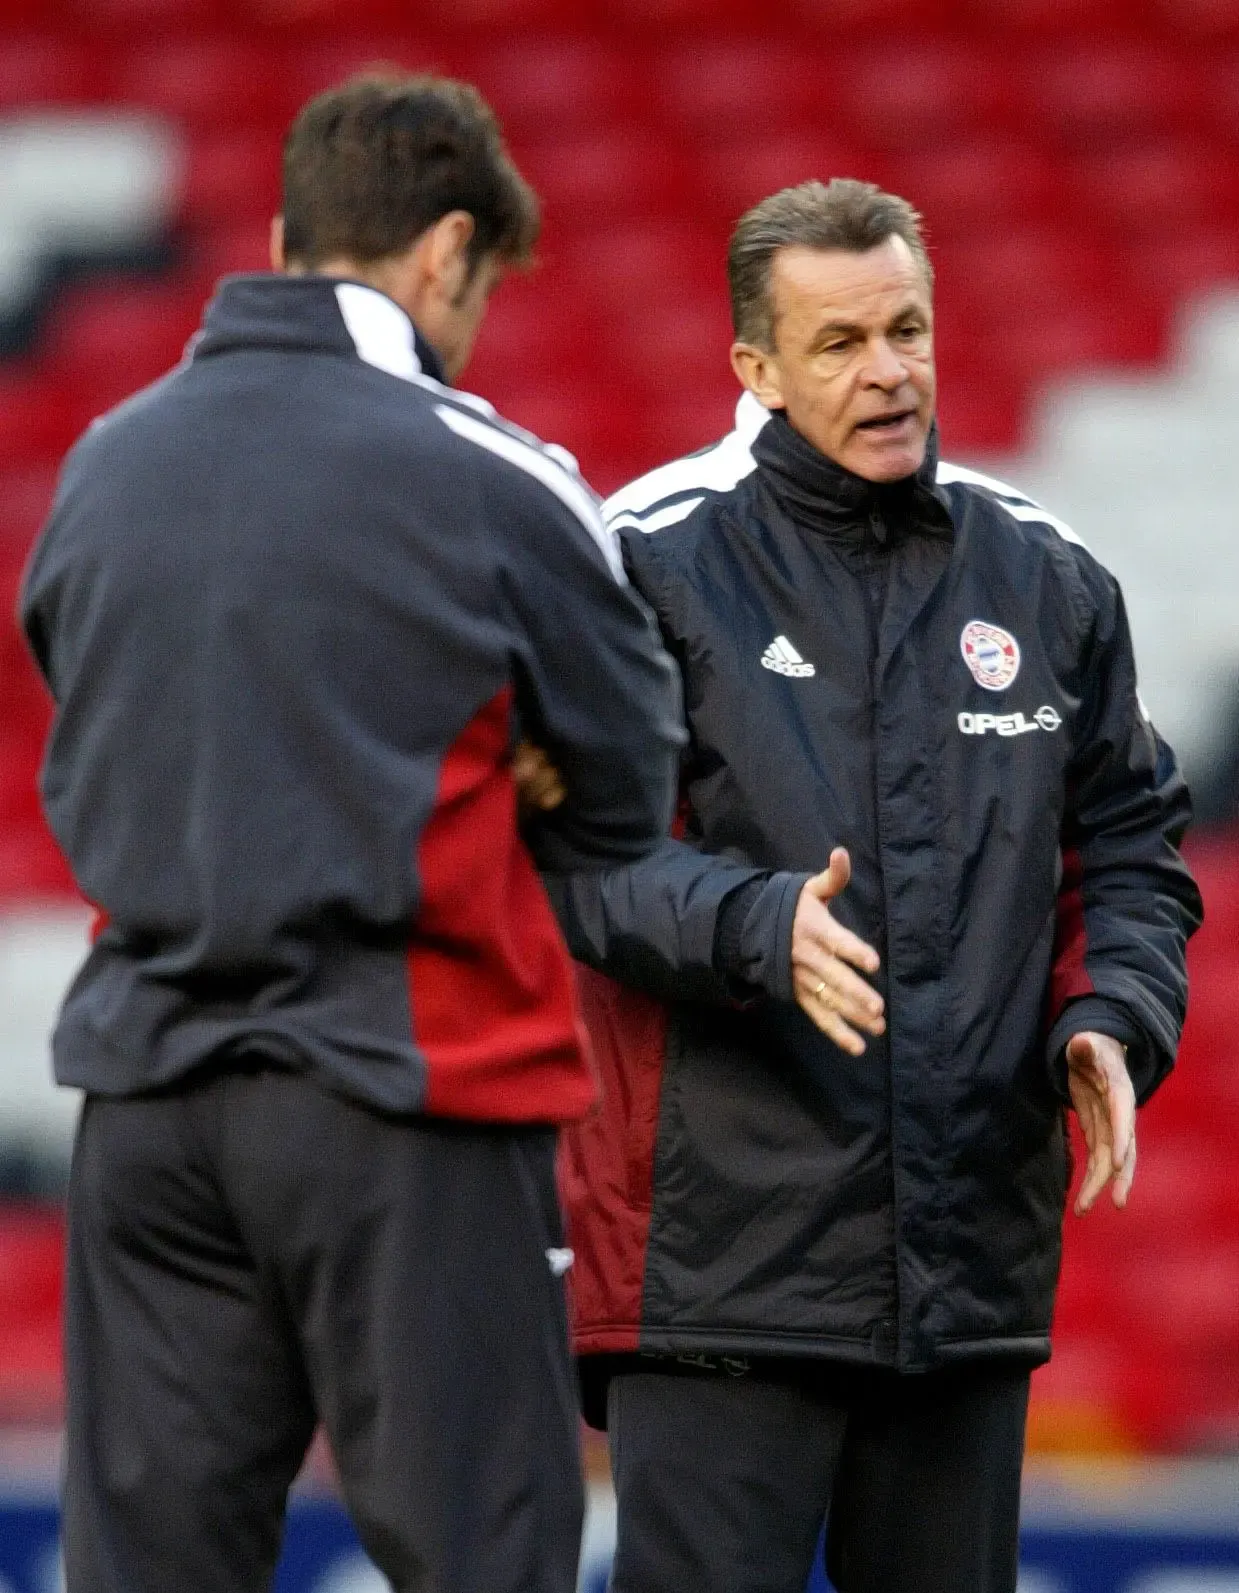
x: 938, y: 675
x: 294, y: 602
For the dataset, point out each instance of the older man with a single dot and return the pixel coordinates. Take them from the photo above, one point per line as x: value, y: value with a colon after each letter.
x: 818, y: 1224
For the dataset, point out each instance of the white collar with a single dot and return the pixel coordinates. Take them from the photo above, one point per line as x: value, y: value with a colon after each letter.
x: 380, y: 330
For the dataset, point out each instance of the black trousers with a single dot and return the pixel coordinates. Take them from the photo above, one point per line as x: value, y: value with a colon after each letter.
x: 723, y: 1482
x: 250, y: 1254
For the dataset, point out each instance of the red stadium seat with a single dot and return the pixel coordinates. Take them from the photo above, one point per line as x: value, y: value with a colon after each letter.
x: 687, y: 342
x: 1017, y: 271
x: 1157, y: 187
x: 205, y: 83
x: 678, y: 422
x: 38, y: 421
x: 43, y: 69
x: 1221, y: 82
x: 980, y: 183
x: 232, y: 177
x: 519, y: 336
x: 301, y: 16
x: 129, y: 16
x: 31, y: 1269
x: 702, y: 15
x: 223, y: 250
x: 739, y: 172
x: 25, y: 497
x: 902, y: 97
x: 115, y: 339
x: 316, y: 63
x: 659, y: 260
x: 588, y: 180
x: 1052, y: 16
x: 1200, y: 19
x: 1107, y: 92
x: 718, y: 89
x: 568, y: 82
x: 890, y: 17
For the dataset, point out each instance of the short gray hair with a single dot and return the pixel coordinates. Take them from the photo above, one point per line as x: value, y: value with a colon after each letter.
x: 841, y: 214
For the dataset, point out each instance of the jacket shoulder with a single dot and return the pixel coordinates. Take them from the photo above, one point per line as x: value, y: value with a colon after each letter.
x: 1010, y: 509
x: 684, y: 492
x: 517, y: 468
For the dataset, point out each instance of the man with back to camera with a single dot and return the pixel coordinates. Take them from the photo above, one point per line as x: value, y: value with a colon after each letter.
x: 295, y: 603
x: 818, y: 1223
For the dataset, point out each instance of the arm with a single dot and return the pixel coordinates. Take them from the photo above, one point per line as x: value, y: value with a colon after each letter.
x: 595, y: 690
x: 681, y: 924
x: 1126, y: 909
x: 1127, y: 903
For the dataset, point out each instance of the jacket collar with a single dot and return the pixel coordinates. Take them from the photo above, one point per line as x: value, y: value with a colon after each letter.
x: 821, y: 495
x: 324, y: 315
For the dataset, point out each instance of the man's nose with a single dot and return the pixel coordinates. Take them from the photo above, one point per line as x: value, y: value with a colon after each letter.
x: 885, y: 370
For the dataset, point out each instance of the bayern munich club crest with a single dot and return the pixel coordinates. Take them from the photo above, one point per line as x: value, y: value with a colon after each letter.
x: 991, y: 654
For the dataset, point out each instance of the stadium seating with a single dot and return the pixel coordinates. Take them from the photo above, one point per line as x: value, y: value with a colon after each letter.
x: 1077, y: 163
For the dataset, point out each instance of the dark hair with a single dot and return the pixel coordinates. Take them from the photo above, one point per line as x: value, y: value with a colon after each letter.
x: 368, y: 166
x: 841, y: 214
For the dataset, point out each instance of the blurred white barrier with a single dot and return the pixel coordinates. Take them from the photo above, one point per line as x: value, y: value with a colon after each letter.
x: 80, y: 185
x: 40, y: 951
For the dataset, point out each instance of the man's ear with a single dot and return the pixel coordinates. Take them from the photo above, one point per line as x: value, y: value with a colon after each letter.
x: 758, y: 370
x: 445, y: 252
x: 278, y: 261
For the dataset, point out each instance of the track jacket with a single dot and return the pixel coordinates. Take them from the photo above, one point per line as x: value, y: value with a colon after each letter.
x: 293, y: 603
x: 938, y: 675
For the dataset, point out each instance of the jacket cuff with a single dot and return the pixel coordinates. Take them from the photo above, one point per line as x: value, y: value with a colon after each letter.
x: 753, y: 936
x: 1101, y: 1015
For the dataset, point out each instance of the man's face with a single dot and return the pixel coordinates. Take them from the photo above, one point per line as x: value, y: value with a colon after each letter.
x: 853, y: 360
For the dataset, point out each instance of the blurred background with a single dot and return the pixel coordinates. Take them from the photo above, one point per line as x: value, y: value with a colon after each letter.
x: 1077, y: 164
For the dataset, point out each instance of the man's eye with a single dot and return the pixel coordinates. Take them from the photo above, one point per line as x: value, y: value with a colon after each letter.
x: 910, y: 332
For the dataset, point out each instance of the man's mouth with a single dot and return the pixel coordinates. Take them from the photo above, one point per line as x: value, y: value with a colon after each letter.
x: 884, y: 424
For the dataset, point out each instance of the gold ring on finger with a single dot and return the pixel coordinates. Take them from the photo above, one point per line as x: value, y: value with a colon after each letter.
x: 819, y: 987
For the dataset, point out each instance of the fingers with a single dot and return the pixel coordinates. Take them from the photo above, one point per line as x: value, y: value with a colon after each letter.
x: 1105, y: 1103
x: 537, y: 780
x: 833, y: 878
x: 1126, y: 1176
x: 835, y: 988
x: 839, y: 1016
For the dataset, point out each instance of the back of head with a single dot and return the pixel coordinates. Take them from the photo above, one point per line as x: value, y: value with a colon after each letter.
x: 370, y: 165
x: 842, y: 214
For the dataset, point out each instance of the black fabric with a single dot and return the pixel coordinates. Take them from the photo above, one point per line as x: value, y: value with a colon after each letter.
x: 1014, y: 839
x: 723, y: 1479
x: 824, y: 498
x: 249, y: 1254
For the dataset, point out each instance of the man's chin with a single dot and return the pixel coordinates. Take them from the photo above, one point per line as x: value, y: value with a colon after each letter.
x: 883, y: 460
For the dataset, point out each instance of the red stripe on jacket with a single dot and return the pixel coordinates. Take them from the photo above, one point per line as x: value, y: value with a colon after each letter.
x: 606, y: 1163
x: 1068, y: 975
x: 606, y: 1166
x: 490, y: 980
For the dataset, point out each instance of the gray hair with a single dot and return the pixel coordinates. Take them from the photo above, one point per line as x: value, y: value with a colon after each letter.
x: 841, y: 214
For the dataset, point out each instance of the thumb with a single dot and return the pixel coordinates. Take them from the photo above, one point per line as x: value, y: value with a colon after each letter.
x: 833, y: 878
x: 1080, y: 1051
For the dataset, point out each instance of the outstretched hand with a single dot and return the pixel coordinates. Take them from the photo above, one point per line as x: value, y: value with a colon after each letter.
x: 824, y: 954
x: 1105, y: 1102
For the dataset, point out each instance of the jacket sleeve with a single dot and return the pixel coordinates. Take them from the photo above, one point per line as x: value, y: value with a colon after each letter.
x: 594, y: 686
x: 681, y: 924
x: 1127, y: 903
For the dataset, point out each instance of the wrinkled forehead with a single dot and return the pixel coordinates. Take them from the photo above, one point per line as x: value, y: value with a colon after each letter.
x: 813, y: 287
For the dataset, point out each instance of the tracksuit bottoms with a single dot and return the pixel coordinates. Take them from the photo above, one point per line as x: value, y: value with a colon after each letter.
x: 250, y: 1254
x: 725, y: 1475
